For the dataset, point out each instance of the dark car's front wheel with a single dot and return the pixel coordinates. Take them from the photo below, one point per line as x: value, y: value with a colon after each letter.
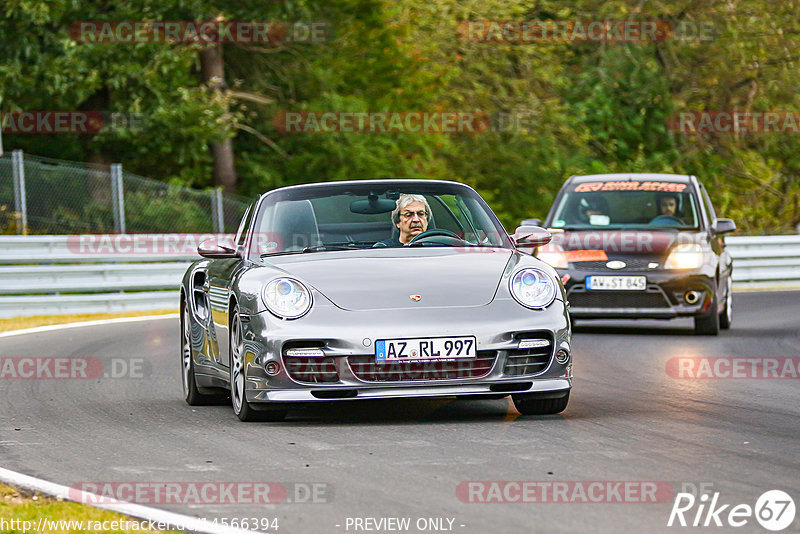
x: 243, y: 409
x: 708, y: 324
x: 726, y: 317
x: 530, y: 405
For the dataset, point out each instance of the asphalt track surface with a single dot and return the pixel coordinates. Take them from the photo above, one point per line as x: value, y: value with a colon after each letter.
x: 627, y: 420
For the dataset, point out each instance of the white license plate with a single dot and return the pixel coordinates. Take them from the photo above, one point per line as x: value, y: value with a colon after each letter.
x: 619, y: 283
x: 433, y: 348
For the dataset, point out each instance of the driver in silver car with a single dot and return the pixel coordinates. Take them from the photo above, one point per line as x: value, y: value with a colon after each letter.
x: 411, y: 218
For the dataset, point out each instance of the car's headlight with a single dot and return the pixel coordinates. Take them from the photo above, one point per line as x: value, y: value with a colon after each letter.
x: 686, y: 256
x: 553, y: 255
x: 533, y: 288
x: 287, y: 298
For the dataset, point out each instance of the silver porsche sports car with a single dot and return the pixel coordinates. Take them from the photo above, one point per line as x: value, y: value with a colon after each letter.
x: 373, y: 289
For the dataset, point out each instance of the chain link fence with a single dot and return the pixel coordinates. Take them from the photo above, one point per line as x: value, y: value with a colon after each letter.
x: 49, y: 196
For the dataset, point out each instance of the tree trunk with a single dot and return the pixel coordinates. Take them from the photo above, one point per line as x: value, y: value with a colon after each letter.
x: 98, y: 185
x: 213, y: 75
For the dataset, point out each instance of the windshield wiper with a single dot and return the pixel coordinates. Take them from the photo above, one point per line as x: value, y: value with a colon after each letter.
x: 317, y: 248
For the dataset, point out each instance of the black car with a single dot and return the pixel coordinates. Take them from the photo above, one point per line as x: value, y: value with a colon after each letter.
x: 641, y: 246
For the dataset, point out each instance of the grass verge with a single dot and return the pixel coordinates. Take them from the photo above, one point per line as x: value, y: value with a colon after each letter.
x: 24, y: 513
x: 18, y: 323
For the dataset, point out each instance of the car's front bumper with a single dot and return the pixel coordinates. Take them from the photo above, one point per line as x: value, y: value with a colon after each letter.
x: 347, y: 336
x: 663, y: 298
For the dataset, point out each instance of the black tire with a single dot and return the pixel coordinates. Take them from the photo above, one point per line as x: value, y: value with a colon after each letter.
x: 537, y: 406
x: 191, y: 393
x: 243, y: 409
x: 726, y: 317
x: 708, y: 324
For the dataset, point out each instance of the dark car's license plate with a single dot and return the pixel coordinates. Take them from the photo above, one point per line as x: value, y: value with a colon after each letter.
x: 624, y: 283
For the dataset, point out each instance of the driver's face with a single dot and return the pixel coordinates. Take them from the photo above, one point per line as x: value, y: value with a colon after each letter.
x: 413, y: 221
x: 667, y: 206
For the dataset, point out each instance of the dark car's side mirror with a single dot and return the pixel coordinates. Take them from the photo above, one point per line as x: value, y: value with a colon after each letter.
x: 531, y: 222
x: 723, y: 226
x: 212, y: 248
x: 531, y: 236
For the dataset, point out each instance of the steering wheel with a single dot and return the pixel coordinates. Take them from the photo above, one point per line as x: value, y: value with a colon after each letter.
x: 436, y: 232
x: 661, y: 219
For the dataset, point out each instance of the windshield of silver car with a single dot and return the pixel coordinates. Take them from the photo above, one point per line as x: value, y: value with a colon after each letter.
x: 329, y: 217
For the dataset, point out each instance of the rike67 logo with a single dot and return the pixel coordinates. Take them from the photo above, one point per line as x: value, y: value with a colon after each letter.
x: 774, y: 510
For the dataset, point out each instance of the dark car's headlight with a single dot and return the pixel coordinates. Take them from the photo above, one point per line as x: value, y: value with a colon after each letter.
x: 685, y: 256
x: 287, y: 298
x: 533, y: 288
x: 553, y: 255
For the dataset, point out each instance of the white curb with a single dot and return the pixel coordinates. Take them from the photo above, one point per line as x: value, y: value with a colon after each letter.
x: 172, y: 519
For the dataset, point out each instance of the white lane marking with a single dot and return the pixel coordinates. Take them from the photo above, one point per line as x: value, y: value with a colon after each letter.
x: 50, y: 328
x: 138, y: 511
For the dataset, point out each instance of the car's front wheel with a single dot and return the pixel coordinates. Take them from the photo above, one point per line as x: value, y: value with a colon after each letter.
x: 726, y: 317
x: 528, y: 405
x: 243, y: 409
x: 191, y: 393
x: 708, y: 324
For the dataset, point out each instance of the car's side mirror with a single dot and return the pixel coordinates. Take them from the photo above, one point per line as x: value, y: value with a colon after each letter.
x: 531, y: 222
x: 723, y: 226
x: 212, y: 248
x: 531, y: 236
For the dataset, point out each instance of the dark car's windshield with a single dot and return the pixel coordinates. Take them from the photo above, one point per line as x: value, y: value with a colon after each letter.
x: 596, y: 205
x: 344, y: 216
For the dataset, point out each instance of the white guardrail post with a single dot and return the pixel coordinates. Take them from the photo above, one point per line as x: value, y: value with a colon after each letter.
x: 118, y: 198
x: 218, y: 213
x: 48, y: 275
x: 20, y: 197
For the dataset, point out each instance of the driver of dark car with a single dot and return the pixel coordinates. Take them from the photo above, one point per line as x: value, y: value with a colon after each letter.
x: 411, y: 218
x: 668, y: 205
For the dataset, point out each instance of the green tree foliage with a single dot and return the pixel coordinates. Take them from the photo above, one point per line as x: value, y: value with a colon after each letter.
x: 558, y: 108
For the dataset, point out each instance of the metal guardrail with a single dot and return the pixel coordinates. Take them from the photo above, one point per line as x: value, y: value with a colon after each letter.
x: 92, y: 248
x: 59, y: 274
x: 51, y: 275
x: 15, y: 306
x: 49, y: 279
x: 765, y: 261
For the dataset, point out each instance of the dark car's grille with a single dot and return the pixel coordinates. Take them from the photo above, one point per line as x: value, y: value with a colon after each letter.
x: 617, y: 299
x: 637, y: 264
x: 527, y: 361
x: 367, y: 369
x: 310, y: 369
